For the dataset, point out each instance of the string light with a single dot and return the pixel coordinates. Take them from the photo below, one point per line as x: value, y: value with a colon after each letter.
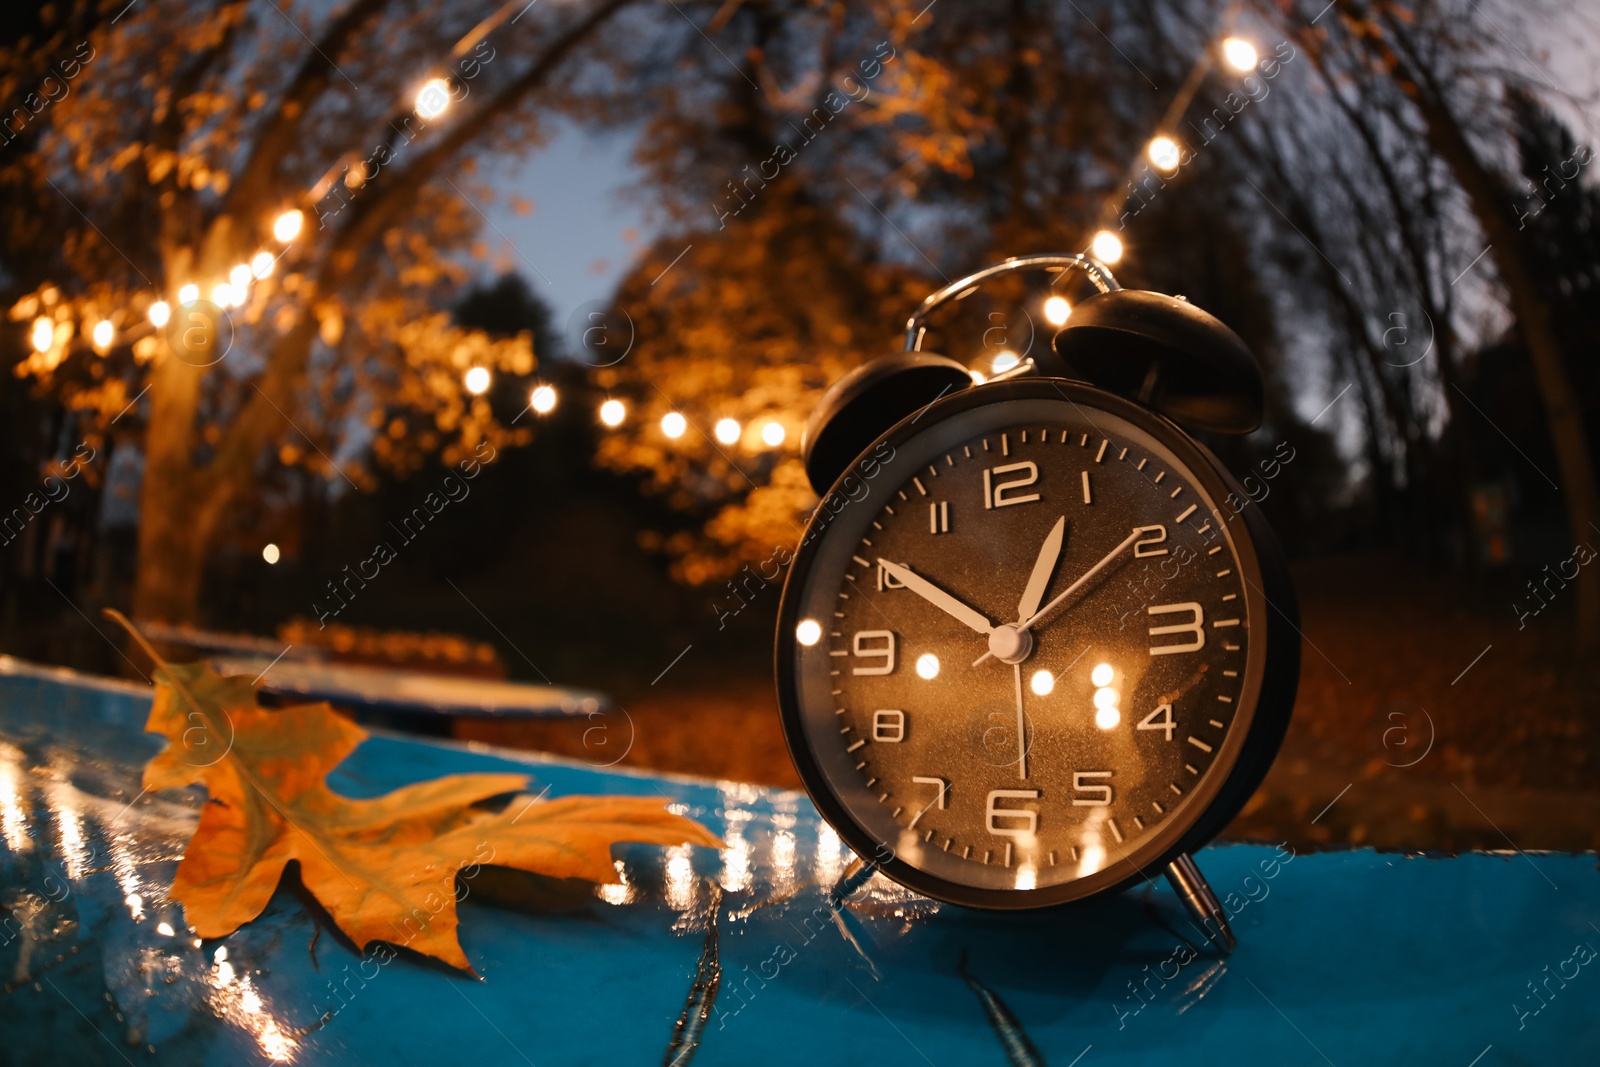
x: 433, y: 98
x: 103, y: 334
x: 1057, y: 310
x: 809, y: 632
x: 673, y: 424
x: 1240, y: 54
x: 262, y: 264
x: 160, y: 312
x: 188, y: 294
x: 286, y: 227
x: 543, y: 400
x: 477, y: 380
x: 1042, y: 682
x: 772, y: 434
x: 44, y: 334
x: 270, y: 553
x: 1004, y: 360
x: 239, y: 277
x: 612, y: 412
x: 727, y: 431
x: 224, y: 295
x: 1163, y: 152
x: 1107, y: 248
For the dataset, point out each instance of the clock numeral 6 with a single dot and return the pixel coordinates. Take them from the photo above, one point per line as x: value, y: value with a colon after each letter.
x: 995, y: 494
x: 889, y: 724
x: 1146, y: 546
x: 1195, y: 627
x: 1098, y: 793
x: 875, y: 645
x: 1019, y: 821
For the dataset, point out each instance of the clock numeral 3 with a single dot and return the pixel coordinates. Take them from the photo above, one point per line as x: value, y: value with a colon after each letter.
x: 998, y: 494
x: 867, y: 646
x: 1194, y: 626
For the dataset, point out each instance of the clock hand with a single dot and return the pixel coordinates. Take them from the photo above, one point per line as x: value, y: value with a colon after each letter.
x: 1082, y: 581
x: 1039, y: 580
x: 937, y: 597
x: 1022, y: 737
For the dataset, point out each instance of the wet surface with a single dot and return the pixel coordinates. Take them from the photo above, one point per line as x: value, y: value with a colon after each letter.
x: 738, y: 957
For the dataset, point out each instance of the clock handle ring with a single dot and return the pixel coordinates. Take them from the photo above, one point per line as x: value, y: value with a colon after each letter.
x: 1093, y: 269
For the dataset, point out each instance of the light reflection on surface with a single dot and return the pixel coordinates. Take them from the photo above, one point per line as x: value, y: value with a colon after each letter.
x: 1091, y: 845
x: 736, y: 857
x: 783, y: 860
x: 830, y: 855
x: 234, y: 997
x: 621, y: 893
x: 13, y: 806
x: 680, y: 877
x: 69, y: 831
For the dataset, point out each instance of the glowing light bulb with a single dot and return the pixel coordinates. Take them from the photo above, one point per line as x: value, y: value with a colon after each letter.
x: 224, y: 295
x: 927, y: 665
x: 240, y: 276
x: 809, y: 632
x: 261, y: 264
x: 543, y: 400
x: 103, y: 333
x: 1102, y: 674
x: 1163, y: 152
x: 433, y: 98
x: 477, y: 380
x: 978, y: 377
x: 188, y: 294
x: 1106, y: 697
x: 772, y: 434
x: 1107, y: 718
x: 727, y: 431
x: 270, y: 553
x: 1004, y: 360
x: 612, y: 413
x: 1240, y: 54
x: 160, y: 312
x: 1106, y: 247
x: 286, y: 227
x: 44, y: 334
x: 1057, y: 310
x: 1042, y: 682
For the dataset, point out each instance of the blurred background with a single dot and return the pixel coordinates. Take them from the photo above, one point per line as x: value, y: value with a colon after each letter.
x: 478, y: 342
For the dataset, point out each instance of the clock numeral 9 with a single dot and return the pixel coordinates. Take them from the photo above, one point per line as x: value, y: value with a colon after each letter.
x: 867, y: 646
x: 1194, y: 627
x: 1098, y: 793
x: 995, y: 493
x: 1146, y: 546
x: 889, y: 724
x: 1020, y: 821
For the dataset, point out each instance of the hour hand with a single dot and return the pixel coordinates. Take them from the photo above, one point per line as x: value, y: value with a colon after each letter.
x: 936, y: 596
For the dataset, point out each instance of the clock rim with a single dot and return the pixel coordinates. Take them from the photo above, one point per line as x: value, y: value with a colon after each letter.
x: 1271, y: 675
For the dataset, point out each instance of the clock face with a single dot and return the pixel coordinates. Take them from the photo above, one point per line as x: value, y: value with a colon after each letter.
x: 1016, y: 658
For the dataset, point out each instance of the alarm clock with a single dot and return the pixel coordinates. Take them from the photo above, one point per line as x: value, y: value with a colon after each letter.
x: 1036, y: 643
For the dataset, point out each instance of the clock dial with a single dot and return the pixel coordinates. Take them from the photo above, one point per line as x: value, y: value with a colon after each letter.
x: 1022, y: 653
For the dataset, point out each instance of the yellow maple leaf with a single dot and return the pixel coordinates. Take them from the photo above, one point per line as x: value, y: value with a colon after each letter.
x: 385, y: 869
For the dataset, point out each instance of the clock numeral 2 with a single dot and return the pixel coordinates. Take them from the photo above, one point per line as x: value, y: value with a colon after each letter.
x: 1194, y: 626
x: 939, y: 517
x: 995, y: 492
x: 865, y: 647
x: 1146, y: 546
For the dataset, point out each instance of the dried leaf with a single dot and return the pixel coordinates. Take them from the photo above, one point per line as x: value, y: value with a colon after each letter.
x: 385, y: 869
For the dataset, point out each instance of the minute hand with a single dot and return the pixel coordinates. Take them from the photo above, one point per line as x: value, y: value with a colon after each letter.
x: 1080, y: 583
x: 937, y: 597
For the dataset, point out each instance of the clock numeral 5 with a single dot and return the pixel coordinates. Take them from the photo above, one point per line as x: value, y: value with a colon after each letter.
x: 1019, y: 821
x: 1098, y: 794
x: 874, y: 645
x: 1194, y: 626
x: 1146, y: 546
x: 995, y: 494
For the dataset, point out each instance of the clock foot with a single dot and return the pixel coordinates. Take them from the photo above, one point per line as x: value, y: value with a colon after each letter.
x: 1200, y: 902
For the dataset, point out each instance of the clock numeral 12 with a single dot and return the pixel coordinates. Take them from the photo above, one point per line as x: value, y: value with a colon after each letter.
x: 939, y: 517
x: 995, y: 493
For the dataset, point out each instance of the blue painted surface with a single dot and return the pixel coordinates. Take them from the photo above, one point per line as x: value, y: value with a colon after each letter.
x: 1344, y: 958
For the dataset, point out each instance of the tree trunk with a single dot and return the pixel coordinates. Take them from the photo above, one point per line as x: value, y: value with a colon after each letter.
x: 1491, y: 204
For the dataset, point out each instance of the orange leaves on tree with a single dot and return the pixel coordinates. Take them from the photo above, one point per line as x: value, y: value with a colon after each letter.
x: 385, y: 869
